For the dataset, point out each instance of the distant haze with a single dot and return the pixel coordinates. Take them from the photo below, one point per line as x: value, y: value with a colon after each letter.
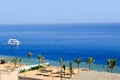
x: 59, y: 11
x: 98, y: 27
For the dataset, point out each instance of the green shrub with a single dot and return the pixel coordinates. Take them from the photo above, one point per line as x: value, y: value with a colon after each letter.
x: 32, y: 68
x: 29, y: 69
x: 36, y: 67
x: 21, y: 71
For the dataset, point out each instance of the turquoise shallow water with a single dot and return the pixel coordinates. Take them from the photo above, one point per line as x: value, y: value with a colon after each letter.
x: 97, y: 67
x: 69, y: 41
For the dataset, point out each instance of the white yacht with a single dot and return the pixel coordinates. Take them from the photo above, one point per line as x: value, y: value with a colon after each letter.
x: 13, y: 42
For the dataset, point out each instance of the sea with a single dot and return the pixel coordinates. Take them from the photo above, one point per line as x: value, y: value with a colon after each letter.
x: 68, y: 41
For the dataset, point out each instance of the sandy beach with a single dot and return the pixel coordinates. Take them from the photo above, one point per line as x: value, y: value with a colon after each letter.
x: 94, y: 75
x: 53, y: 73
x: 59, y: 39
x: 8, y: 74
x: 83, y: 75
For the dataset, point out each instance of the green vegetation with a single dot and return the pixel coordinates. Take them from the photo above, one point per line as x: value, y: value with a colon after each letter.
x: 78, y: 61
x: 29, y: 56
x: 15, y: 61
x: 20, y: 61
x: 111, y: 64
x: 42, y: 59
x: 71, y: 68
x: 89, y: 61
x: 36, y: 67
x: 64, y: 68
x: 32, y: 68
x: 60, y: 61
x: 39, y: 59
x: 21, y: 71
x: 104, y: 69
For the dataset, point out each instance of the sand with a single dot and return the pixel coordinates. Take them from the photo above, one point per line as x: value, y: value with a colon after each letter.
x: 9, y: 74
x: 83, y: 75
x: 44, y: 75
x: 94, y: 75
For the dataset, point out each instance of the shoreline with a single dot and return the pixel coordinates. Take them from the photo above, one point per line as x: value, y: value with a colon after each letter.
x: 84, y: 74
x: 81, y: 69
x: 95, y: 67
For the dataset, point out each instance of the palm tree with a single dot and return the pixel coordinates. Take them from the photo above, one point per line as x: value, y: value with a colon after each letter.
x: 64, y: 68
x: 29, y: 56
x: 104, y: 68
x: 15, y: 61
x: 78, y: 60
x: 39, y: 58
x: 71, y: 68
x: 20, y: 61
x: 89, y: 61
x: 42, y: 58
x: 60, y: 60
x: 111, y: 64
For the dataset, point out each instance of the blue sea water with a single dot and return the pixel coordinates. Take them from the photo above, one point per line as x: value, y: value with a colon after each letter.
x: 69, y: 41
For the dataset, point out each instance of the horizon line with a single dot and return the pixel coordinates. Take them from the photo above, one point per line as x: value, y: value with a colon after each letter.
x: 59, y: 23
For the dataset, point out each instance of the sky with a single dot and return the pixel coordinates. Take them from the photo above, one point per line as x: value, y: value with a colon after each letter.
x: 59, y: 11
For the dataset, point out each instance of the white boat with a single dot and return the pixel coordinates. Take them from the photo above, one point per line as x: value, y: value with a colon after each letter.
x: 13, y: 42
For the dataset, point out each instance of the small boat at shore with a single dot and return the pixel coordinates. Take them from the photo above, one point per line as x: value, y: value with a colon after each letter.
x: 13, y: 42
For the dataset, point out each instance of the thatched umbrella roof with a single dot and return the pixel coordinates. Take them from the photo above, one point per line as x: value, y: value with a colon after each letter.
x: 3, y: 58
